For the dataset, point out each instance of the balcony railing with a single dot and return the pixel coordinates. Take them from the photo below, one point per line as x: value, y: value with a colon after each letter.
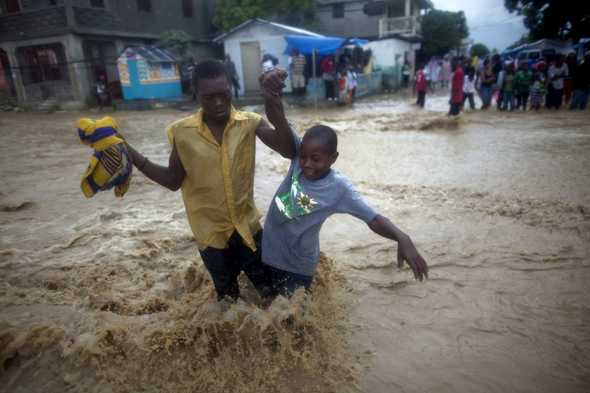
x: 406, y: 26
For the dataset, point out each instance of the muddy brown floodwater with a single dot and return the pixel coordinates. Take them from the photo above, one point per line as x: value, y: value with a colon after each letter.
x: 110, y: 295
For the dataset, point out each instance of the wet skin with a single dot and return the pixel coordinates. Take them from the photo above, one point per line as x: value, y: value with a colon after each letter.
x: 315, y: 160
x: 215, y: 97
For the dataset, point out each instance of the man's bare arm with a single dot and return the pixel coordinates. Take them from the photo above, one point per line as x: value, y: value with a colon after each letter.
x: 170, y: 177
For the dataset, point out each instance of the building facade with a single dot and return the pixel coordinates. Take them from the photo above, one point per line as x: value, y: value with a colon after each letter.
x: 392, y: 26
x: 247, y: 43
x: 371, y: 19
x: 58, y: 49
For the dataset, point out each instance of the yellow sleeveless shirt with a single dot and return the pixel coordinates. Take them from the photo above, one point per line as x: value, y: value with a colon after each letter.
x: 218, y: 189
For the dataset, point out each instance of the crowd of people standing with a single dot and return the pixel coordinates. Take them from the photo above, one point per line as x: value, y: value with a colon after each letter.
x: 513, y: 85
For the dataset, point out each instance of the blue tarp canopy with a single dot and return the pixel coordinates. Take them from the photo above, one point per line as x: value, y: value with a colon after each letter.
x: 322, y: 45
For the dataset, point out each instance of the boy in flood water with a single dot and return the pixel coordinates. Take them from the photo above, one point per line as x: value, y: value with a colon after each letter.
x: 310, y: 193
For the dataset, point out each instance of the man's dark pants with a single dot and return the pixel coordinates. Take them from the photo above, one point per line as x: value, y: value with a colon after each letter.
x: 225, y: 265
x: 421, y: 99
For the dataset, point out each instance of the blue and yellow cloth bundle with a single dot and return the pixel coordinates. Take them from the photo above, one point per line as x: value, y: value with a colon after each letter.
x: 110, y: 165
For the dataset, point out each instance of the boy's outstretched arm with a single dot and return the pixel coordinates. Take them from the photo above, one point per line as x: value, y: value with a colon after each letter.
x: 170, y: 177
x: 280, y: 139
x: 406, y: 251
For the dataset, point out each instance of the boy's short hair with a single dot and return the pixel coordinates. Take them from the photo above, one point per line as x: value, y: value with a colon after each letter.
x: 325, y: 135
x: 208, y: 69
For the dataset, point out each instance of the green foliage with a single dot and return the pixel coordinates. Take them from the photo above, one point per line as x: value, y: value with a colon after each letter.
x: 479, y: 50
x: 177, y: 40
x: 443, y: 31
x: 553, y: 18
x: 231, y: 13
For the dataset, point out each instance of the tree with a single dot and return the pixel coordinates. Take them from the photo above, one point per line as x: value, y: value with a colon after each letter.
x: 443, y: 31
x: 553, y: 18
x: 231, y: 13
x: 479, y: 50
x: 177, y: 40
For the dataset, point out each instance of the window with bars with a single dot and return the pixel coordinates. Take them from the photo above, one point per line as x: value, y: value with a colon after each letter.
x: 42, y: 63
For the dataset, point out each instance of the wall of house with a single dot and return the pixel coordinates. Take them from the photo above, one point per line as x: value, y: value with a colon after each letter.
x: 270, y: 39
x: 39, y: 18
x: 355, y: 22
x: 32, y: 24
x: 389, y: 52
x: 164, y: 15
x: 38, y: 4
x: 389, y: 55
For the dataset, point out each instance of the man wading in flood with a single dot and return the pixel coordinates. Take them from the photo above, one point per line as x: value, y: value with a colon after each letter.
x: 212, y: 162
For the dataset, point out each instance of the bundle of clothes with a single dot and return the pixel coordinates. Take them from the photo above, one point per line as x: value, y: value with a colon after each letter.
x: 110, y: 165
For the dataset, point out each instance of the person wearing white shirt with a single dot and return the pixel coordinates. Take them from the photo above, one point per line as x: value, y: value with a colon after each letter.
x: 558, y: 70
x: 469, y: 87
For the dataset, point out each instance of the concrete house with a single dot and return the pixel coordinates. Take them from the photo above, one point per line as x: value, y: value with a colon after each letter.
x: 371, y: 19
x: 248, y: 42
x: 392, y: 26
x: 56, y: 49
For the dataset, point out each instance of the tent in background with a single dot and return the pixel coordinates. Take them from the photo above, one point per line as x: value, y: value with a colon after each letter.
x: 322, y: 45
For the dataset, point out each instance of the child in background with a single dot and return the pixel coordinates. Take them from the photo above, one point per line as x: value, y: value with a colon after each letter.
x: 328, y: 67
x: 310, y: 193
x: 522, y: 85
x: 537, y: 91
x: 351, y: 83
x: 498, y: 69
x: 406, y: 74
x: 508, y: 88
x: 421, y: 86
x: 102, y: 95
x: 487, y: 80
x: 469, y: 87
x: 456, y: 100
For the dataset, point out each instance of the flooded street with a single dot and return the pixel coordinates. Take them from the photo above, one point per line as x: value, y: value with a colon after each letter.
x: 110, y: 295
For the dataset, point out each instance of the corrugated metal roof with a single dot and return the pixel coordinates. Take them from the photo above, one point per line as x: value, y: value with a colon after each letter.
x: 288, y: 29
x: 151, y: 54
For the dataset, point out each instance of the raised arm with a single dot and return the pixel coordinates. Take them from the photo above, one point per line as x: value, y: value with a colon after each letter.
x: 279, y: 138
x: 406, y: 251
x: 170, y: 177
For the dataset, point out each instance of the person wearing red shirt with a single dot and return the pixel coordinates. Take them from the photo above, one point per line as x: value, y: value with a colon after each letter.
x: 457, y: 89
x: 421, y: 85
x: 328, y: 67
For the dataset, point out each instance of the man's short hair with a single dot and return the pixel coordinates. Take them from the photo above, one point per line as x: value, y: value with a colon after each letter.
x: 208, y: 69
x: 325, y: 135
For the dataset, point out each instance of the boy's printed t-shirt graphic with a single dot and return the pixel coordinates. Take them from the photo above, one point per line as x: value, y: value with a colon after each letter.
x: 110, y: 165
x: 296, y: 202
x: 300, y: 207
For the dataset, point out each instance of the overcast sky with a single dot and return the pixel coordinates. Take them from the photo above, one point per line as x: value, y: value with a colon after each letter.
x: 488, y: 20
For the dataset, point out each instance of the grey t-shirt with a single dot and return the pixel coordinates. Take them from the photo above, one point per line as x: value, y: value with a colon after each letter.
x: 291, y: 238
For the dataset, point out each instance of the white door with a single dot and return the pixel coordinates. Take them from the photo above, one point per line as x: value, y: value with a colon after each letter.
x: 250, y: 65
